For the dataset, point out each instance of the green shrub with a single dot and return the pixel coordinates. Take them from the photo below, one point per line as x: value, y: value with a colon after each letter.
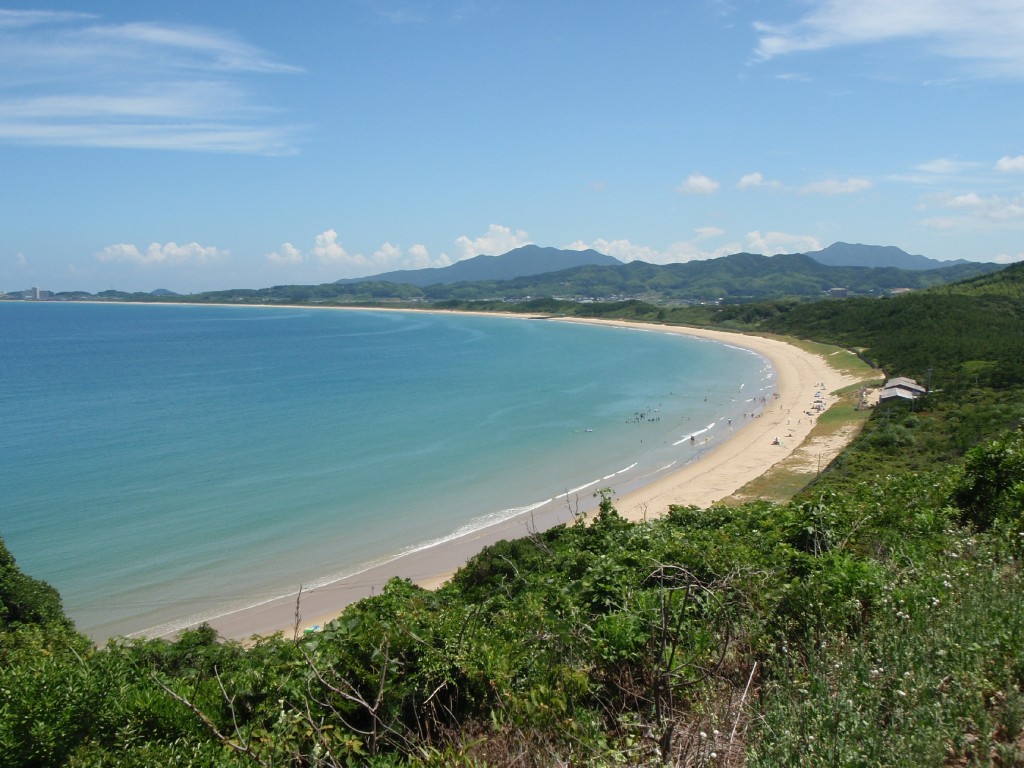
x: 992, y: 487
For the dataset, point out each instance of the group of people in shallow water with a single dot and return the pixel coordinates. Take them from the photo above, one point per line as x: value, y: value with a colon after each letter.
x: 654, y: 414
x: 645, y: 415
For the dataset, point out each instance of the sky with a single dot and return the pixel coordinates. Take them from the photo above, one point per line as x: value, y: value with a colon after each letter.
x: 195, y: 145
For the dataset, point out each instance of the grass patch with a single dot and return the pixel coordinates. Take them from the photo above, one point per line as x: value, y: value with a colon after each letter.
x: 842, y: 421
x: 840, y: 358
x: 935, y: 679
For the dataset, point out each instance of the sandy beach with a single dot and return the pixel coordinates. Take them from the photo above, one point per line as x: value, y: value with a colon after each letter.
x: 750, y: 452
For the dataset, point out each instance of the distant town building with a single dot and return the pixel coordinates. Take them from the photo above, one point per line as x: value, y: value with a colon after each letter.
x: 838, y: 293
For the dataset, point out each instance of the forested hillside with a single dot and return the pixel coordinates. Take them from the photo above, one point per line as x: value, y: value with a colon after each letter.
x: 738, y: 277
x: 873, y: 620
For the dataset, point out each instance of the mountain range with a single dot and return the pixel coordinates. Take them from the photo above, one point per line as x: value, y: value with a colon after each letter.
x: 739, y: 277
x: 532, y: 260
x: 531, y: 272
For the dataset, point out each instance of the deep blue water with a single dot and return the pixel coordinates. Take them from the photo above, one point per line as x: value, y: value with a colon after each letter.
x: 163, y: 463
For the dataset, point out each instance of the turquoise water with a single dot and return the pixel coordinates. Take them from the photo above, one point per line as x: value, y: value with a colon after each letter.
x: 163, y: 463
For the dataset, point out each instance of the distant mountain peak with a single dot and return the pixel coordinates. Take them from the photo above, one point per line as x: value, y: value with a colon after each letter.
x: 525, y: 261
x: 841, y: 254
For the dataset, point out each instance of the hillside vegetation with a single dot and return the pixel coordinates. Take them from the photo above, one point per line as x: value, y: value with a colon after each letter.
x: 872, y: 620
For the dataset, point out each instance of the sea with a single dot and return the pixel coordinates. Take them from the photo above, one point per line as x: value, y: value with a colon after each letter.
x: 164, y: 464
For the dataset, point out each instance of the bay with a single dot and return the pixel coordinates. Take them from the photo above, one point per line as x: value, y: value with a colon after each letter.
x: 167, y: 463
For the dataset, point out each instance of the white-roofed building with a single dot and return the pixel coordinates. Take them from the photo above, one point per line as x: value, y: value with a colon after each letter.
x: 901, y: 388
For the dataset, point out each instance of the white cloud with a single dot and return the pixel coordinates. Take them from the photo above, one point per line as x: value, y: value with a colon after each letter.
x: 679, y: 251
x: 754, y: 180
x: 134, y: 85
x: 327, y: 250
x: 970, y: 200
x: 987, y: 33
x: 940, y: 171
x: 977, y: 212
x: 704, y: 233
x: 698, y: 184
x: 169, y: 253
x: 386, y: 254
x: 942, y: 223
x: 498, y: 240
x: 289, y: 255
x: 622, y: 249
x: 21, y: 19
x: 333, y: 260
x: 993, y: 207
x: 772, y: 243
x: 837, y: 187
x: 1010, y: 164
x: 944, y: 166
x: 798, y: 77
x: 768, y: 243
x: 1010, y: 211
x: 1006, y: 258
x: 184, y: 46
x: 390, y: 257
x: 419, y: 258
x: 20, y: 260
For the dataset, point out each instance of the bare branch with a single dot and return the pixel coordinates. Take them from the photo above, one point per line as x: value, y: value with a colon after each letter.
x: 243, y: 749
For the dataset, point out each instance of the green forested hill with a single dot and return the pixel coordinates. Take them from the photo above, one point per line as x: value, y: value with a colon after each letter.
x: 1008, y: 282
x: 967, y: 333
x: 948, y: 337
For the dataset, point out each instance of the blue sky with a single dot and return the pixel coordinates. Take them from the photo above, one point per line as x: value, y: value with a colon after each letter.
x: 205, y: 145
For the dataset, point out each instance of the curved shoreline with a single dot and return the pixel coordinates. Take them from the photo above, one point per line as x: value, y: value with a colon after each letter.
x: 752, y: 450
x: 748, y: 453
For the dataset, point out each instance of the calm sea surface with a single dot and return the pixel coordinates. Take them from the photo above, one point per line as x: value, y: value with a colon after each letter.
x: 163, y: 463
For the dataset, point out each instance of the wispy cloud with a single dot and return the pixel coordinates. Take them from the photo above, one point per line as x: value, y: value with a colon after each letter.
x: 943, y: 172
x: 72, y: 80
x: 837, y: 187
x: 971, y: 211
x: 986, y: 33
x: 407, y: 12
x: 945, y: 166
